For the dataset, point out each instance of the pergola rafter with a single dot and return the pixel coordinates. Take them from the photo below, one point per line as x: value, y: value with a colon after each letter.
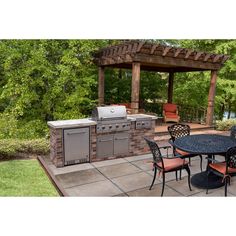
x: 141, y: 55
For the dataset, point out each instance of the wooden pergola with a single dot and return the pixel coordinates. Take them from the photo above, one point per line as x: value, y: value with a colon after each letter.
x: 141, y: 55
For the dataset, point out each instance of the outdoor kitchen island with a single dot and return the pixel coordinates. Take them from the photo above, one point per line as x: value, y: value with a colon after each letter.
x: 91, y: 139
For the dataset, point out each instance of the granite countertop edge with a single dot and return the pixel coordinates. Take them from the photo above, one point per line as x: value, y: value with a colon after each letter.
x: 60, y: 124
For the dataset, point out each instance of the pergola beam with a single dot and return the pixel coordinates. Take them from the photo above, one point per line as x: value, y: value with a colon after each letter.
x: 189, y: 52
x: 177, y: 52
x: 198, y: 55
x: 165, y: 51
x: 169, y: 61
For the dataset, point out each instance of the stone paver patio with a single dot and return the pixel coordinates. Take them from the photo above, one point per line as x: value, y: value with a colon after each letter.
x: 129, y: 176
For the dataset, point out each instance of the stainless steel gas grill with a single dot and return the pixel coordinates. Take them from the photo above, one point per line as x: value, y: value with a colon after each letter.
x: 111, y: 119
x: 112, y: 131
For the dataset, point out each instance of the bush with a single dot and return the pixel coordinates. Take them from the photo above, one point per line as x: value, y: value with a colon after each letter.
x: 225, y: 124
x: 12, y: 147
x: 11, y: 128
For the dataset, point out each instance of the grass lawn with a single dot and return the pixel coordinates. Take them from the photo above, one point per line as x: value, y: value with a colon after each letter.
x: 24, y: 178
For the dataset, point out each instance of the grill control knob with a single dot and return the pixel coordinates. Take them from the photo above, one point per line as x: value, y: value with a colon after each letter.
x: 123, y: 125
x: 117, y: 126
x: 103, y: 127
x: 110, y: 126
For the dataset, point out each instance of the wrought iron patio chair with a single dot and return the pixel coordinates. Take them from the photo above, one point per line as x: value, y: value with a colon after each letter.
x: 232, y: 135
x: 177, y: 131
x: 224, y: 169
x: 233, y: 132
x: 165, y: 164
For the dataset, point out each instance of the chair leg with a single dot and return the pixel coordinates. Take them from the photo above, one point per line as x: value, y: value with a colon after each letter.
x: 154, y: 177
x: 189, y: 161
x: 176, y: 175
x: 208, y: 172
x: 201, y: 162
x: 163, y: 183
x: 188, y: 171
x: 226, y: 180
x: 180, y: 174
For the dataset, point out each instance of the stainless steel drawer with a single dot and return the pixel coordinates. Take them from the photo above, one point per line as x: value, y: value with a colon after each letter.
x: 76, y: 145
x: 121, y: 143
x: 105, y: 146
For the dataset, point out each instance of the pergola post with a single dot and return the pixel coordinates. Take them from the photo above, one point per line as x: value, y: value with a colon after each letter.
x: 170, y: 87
x: 135, y: 87
x: 211, y: 98
x: 101, y: 85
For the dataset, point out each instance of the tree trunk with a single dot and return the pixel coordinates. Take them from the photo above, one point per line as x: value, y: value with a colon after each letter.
x: 229, y: 111
x: 222, y: 110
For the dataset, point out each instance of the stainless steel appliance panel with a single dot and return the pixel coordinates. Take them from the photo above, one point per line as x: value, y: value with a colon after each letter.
x: 121, y: 143
x: 76, y: 145
x: 143, y: 124
x: 105, y: 146
x: 109, y: 112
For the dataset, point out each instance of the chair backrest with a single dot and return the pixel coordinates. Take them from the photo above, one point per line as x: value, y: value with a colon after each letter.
x: 233, y: 132
x: 178, y: 131
x: 156, y: 153
x: 170, y: 107
x: 231, y: 158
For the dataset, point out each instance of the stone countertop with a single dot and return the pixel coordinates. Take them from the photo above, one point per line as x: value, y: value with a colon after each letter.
x: 60, y: 124
x: 133, y: 117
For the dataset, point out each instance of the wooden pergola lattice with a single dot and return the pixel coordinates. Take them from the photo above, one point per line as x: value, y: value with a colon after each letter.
x: 141, y: 55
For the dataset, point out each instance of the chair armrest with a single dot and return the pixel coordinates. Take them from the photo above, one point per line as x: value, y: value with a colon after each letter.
x: 213, y: 160
x: 165, y: 147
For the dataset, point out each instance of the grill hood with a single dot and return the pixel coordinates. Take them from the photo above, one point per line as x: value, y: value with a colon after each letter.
x: 109, y: 113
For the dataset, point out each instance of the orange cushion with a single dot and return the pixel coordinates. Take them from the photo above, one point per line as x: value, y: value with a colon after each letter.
x: 169, y: 107
x: 172, y: 163
x: 172, y: 115
x: 221, y: 167
x: 183, y: 153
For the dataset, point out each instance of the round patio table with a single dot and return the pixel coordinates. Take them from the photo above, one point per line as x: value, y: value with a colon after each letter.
x: 205, y: 144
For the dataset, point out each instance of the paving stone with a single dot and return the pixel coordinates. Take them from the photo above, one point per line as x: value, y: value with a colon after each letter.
x: 137, y: 158
x: 108, y: 162
x: 69, y: 169
x: 154, y: 192
x: 80, y: 177
x: 132, y: 182
x: 168, y: 177
x: 98, y: 189
x: 118, y: 170
x: 144, y: 164
x: 181, y: 186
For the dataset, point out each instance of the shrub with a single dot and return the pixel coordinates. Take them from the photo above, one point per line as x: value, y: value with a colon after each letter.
x: 11, y: 128
x: 225, y: 124
x: 8, y: 126
x: 12, y: 147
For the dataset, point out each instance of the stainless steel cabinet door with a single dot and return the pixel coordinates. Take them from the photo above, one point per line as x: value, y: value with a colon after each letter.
x: 76, y: 145
x: 104, y: 146
x: 121, y: 143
